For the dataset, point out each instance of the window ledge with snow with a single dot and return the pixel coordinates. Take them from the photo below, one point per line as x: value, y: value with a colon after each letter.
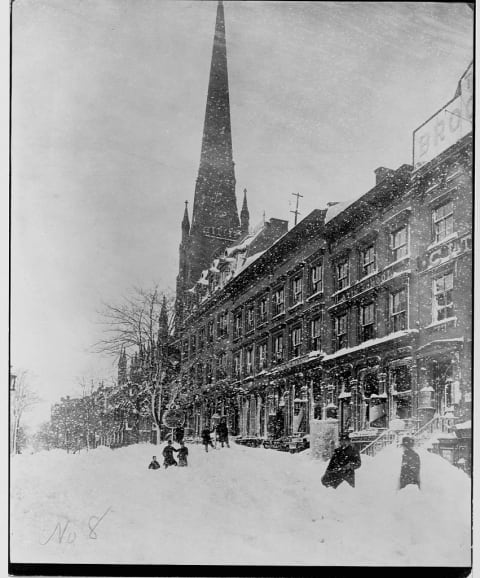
x: 441, y: 322
x: 439, y: 243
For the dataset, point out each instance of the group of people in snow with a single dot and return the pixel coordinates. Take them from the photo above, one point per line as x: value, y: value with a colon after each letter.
x: 221, y: 434
x: 168, y: 457
x: 346, y: 459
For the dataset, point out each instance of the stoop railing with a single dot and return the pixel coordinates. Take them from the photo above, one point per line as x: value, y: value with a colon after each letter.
x: 382, y: 441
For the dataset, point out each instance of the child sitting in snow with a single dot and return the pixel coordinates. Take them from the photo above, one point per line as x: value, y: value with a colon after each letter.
x: 182, y: 455
x: 154, y: 465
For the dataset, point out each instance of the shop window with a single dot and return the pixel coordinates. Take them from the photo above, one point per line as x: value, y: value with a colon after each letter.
x: 342, y: 275
x: 296, y: 341
x: 341, y: 331
x: 368, y: 260
x: 443, y: 297
x: 442, y: 217
x: 315, y: 334
x: 399, y: 243
x: 316, y: 277
x: 278, y: 301
x: 297, y: 290
x: 398, y: 310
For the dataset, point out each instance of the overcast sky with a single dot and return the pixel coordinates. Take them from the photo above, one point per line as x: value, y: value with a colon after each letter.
x: 108, y: 102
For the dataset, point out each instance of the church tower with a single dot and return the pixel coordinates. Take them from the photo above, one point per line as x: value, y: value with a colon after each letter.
x: 215, y: 222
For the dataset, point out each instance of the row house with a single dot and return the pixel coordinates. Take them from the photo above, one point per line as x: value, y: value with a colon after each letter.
x: 361, y: 314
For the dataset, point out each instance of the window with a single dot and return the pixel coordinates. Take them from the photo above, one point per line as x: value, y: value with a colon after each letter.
x: 341, y: 331
x: 278, y: 302
x: 222, y: 366
x: 443, y: 221
x: 368, y: 261
x: 278, y: 348
x: 296, y: 341
x: 209, y: 368
x: 367, y: 321
x: 316, y: 276
x: 249, y: 360
x: 250, y: 319
x: 315, y: 333
x: 222, y: 324
x: 237, y: 324
x: 210, y: 331
x: 297, y: 290
x: 400, y: 378
x: 185, y: 348
x: 193, y: 343
x: 443, y: 297
x: 262, y: 356
x: 398, y: 310
x: 262, y: 310
x: 399, y: 243
x: 201, y: 338
x: 342, y: 275
x: 237, y: 365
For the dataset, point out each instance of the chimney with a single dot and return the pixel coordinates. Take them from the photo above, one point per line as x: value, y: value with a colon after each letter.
x: 381, y: 173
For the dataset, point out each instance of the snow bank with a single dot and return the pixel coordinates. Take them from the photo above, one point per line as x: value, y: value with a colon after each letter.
x: 234, y: 506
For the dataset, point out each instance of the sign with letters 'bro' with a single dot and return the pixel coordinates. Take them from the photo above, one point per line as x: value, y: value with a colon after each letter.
x: 447, y: 126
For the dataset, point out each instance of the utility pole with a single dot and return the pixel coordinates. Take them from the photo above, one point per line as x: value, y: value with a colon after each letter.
x: 296, y: 211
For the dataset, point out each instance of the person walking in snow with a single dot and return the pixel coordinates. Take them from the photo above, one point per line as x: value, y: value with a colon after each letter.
x: 410, y: 470
x: 168, y: 450
x: 154, y: 465
x: 222, y: 432
x: 182, y: 455
x: 343, y: 463
x: 179, y: 434
x: 206, y: 439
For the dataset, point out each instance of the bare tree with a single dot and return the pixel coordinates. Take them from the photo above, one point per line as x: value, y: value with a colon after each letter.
x: 22, y: 399
x: 134, y: 321
x: 135, y: 325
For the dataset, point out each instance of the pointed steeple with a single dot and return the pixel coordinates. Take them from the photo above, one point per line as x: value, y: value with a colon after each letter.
x: 185, y: 222
x: 163, y: 322
x: 244, y: 214
x: 215, y: 204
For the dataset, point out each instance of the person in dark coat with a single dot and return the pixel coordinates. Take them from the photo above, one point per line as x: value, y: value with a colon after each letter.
x: 182, y: 456
x: 168, y: 450
x: 343, y: 463
x: 179, y: 434
x: 206, y: 439
x: 222, y: 432
x: 154, y: 465
x: 410, y: 470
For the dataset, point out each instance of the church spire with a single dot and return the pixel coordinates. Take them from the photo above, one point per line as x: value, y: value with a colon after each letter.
x: 185, y: 222
x: 215, y: 203
x: 244, y: 214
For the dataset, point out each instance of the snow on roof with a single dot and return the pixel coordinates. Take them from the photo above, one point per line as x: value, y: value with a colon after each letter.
x: 336, y: 209
x: 248, y: 261
x: 244, y: 244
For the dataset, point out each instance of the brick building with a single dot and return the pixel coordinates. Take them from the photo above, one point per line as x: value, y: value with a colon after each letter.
x: 359, y: 315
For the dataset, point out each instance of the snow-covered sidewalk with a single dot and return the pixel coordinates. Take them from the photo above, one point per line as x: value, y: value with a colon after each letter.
x: 234, y: 506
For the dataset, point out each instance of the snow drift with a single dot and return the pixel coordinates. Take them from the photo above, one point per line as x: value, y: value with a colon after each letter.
x: 234, y: 506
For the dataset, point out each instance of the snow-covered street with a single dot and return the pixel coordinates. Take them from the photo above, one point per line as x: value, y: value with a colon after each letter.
x: 234, y: 506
